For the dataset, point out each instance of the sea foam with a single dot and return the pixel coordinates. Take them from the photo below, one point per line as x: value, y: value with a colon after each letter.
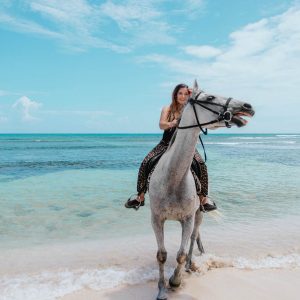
x: 50, y: 285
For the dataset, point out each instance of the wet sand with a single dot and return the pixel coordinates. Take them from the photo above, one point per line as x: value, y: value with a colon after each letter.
x: 217, y: 284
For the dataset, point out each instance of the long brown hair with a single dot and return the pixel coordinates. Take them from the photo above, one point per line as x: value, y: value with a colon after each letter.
x: 175, y: 107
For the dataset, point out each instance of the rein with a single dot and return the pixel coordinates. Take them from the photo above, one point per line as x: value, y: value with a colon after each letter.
x: 226, y: 116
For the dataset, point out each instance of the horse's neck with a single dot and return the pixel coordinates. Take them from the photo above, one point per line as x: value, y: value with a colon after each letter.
x: 181, y: 153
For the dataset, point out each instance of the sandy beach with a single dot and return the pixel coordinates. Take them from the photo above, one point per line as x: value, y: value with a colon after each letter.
x: 217, y: 284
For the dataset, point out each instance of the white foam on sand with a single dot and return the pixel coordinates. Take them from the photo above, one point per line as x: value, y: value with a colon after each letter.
x: 277, y: 262
x: 50, y: 285
x: 209, y: 261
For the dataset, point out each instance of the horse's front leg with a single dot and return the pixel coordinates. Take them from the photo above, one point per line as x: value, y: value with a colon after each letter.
x: 187, y: 228
x: 158, y: 227
x: 195, y: 235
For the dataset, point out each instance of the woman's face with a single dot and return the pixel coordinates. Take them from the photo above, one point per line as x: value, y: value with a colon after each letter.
x: 182, y: 96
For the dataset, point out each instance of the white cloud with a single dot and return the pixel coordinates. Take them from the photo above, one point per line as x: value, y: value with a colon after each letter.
x: 27, y: 106
x: 74, y: 23
x: 3, y: 93
x: 141, y: 20
x: 80, y: 24
x: 130, y: 14
x: 74, y: 12
x: 202, y: 51
x: 190, y: 8
x: 265, y: 53
x: 21, y: 25
x: 261, y: 62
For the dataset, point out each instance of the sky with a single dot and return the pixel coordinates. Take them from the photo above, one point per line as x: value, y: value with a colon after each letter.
x: 83, y: 66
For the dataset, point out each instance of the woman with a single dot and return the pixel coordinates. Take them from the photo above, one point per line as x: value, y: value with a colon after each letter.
x: 168, y: 122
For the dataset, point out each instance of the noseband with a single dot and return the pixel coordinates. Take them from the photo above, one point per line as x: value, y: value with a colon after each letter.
x: 225, y: 115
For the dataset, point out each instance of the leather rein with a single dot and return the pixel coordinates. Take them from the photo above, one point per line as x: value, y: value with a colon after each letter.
x: 225, y: 115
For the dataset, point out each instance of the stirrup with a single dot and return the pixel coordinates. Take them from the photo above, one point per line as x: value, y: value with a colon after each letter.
x: 209, y: 206
x: 136, y: 207
x: 202, y: 208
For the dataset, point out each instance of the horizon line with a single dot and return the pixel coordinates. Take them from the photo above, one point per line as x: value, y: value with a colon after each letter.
x: 137, y: 133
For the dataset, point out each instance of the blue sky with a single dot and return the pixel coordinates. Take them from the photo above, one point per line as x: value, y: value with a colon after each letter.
x: 84, y: 66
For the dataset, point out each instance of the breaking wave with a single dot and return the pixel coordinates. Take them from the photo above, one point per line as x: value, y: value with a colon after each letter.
x: 50, y: 285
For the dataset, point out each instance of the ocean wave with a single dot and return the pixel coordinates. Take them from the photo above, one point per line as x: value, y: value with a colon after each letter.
x: 91, y: 164
x: 252, y: 137
x: 50, y: 285
x: 208, y: 261
x: 70, y: 147
x: 278, y: 262
x: 223, y: 143
x: 251, y: 143
x: 274, y: 137
x: 288, y: 135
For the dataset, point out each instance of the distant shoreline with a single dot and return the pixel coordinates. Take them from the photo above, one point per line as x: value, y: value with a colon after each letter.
x: 146, y: 133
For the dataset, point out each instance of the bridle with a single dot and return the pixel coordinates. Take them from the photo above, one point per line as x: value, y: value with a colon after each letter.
x: 225, y: 115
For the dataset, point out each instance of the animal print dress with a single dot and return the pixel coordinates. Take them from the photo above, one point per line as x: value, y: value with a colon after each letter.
x: 198, y: 167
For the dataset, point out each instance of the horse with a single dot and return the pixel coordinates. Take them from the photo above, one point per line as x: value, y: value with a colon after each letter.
x: 172, y: 190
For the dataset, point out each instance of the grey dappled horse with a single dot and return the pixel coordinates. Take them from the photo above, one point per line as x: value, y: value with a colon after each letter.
x: 172, y: 188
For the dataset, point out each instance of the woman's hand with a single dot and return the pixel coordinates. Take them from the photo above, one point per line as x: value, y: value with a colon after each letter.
x: 174, y: 123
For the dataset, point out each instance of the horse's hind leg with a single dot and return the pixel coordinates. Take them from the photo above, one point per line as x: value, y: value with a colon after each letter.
x: 195, y: 235
x: 187, y: 228
x: 158, y: 227
x: 199, y: 243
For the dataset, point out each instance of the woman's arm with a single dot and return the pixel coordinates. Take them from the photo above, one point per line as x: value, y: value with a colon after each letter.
x: 163, y: 122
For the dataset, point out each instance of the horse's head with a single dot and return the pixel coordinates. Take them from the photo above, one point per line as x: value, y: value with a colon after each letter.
x: 215, y: 111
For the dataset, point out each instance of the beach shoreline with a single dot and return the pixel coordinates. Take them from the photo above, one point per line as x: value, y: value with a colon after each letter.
x: 217, y: 284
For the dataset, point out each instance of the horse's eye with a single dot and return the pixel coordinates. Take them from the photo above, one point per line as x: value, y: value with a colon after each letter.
x: 211, y: 97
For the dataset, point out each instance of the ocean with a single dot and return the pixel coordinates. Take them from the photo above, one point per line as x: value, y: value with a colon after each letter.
x: 63, y: 224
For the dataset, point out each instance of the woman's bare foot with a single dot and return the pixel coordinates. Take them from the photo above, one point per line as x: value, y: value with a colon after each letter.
x: 203, y: 199
x: 141, y: 197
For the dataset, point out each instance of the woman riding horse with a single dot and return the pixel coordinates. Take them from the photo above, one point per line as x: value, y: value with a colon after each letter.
x: 169, y: 119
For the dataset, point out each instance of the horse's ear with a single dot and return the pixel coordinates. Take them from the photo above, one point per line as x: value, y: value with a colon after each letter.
x: 195, y: 89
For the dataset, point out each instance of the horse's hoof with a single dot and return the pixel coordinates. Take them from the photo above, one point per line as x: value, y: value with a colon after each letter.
x: 193, y: 267
x: 188, y: 267
x: 162, y: 295
x: 201, y: 250
x: 173, y: 283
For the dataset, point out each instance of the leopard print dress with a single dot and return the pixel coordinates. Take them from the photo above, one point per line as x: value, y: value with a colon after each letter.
x: 198, y: 167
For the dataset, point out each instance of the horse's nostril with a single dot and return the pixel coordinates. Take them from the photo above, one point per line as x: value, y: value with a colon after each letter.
x: 247, y: 106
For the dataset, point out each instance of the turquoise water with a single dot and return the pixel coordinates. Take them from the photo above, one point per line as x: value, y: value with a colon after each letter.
x: 61, y: 187
x: 62, y: 202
